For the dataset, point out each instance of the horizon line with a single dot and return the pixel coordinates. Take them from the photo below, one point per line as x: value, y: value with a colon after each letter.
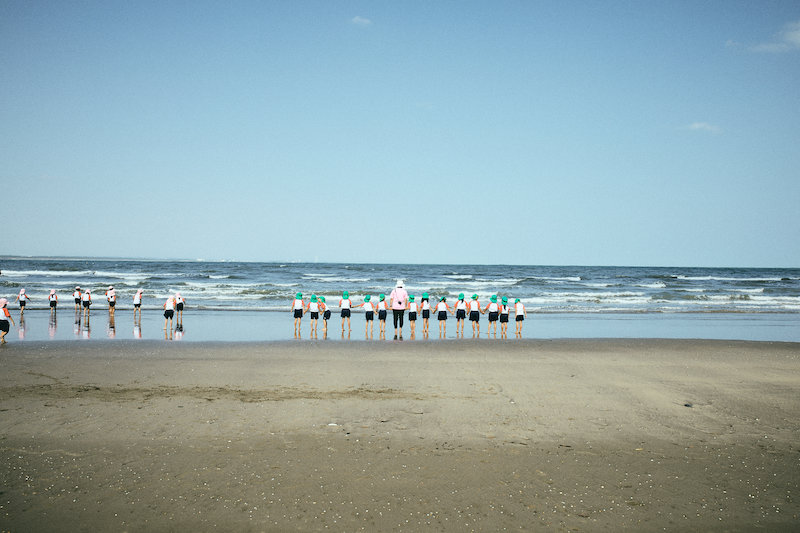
x: 200, y: 260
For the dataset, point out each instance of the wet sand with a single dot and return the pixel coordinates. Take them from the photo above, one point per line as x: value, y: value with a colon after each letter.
x: 570, y: 435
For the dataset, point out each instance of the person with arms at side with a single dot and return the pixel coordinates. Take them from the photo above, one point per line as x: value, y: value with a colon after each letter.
x: 53, y: 301
x: 137, y: 304
x: 521, y: 314
x: 76, y: 294
x: 398, y: 300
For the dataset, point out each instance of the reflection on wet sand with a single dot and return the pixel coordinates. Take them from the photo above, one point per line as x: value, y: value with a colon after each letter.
x: 52, y: 326
x: 111, y: 330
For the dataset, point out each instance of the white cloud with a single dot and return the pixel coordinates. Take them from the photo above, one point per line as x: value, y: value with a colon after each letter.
x: 361, y: 21
x: 786, y: 40
x: 704, y: 126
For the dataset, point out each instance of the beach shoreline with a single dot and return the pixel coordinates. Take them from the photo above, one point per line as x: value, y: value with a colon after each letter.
x: 581, y: 434
x: 257, y: 326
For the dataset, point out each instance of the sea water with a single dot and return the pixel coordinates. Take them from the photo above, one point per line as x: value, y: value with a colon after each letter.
x: 251, y: 301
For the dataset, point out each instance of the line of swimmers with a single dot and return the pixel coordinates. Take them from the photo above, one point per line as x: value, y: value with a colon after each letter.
x: 498, y: 312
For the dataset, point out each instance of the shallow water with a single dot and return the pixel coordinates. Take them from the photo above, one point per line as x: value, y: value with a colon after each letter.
x: 278, y: 326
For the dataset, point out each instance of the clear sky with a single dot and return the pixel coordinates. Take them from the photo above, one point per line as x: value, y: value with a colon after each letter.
x: 522, y: 132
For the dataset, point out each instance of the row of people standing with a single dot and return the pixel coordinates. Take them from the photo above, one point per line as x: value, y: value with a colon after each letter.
x: 83, y: 301
x: 400, y: 302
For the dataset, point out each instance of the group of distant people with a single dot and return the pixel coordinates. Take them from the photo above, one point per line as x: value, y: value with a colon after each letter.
x: 174, y: 304
x: 400, y: 301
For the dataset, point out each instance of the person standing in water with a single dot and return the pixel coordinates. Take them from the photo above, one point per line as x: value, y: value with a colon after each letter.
x: 180, y: 302
x: 297, y: 311
x: 426, y: 314
x: 53, y: 301
x: 313, y: 308
x: 345, y: 304
x: 326, y: 315
x: 111, y: 296
x: 22, y: 298
x: 441, y: 313
x: 137, y: 304
x: 475, y: 313
x: 412, y: 316
x: 398, y: 300
x: 76, y: 294
x: 494, y: 311
x: 369, y: 314
x: 169, y: 312
x: 460, y: 309
x: 382, y: 316
x: 504, y: 318
x: 520, y: 314
x: 86, y: 300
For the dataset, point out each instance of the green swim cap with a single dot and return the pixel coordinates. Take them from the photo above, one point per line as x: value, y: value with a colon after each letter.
x: 322, y: 298
x: 424, y: 294
x: 460, y: 295
x: 383, y: 297
x: 313, y: 297
x: 516, y: 301
x: 298, y: 295
x: 443, y: 299
x: 411, y: 297
x: 505, y: 299
x: 474, y: 296
x: 367, y: 298
x: 345, y: 294
x: 493, y: 298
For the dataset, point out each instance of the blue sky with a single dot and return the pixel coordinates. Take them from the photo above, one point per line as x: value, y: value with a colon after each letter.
x: 586, y: 133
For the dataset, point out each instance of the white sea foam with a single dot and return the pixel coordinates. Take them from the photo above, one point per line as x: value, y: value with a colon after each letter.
x: 332, y: 279
x: 716, y: 278
x: 657, y: 285
x: 54, y: 273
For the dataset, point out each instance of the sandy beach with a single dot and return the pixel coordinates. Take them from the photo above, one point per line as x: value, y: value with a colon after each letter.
x: 564, y: 435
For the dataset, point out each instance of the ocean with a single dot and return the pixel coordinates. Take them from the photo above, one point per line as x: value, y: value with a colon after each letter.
x: 563, y: 294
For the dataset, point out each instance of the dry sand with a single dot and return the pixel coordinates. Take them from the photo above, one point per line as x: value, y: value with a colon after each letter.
x: 578, y: 435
